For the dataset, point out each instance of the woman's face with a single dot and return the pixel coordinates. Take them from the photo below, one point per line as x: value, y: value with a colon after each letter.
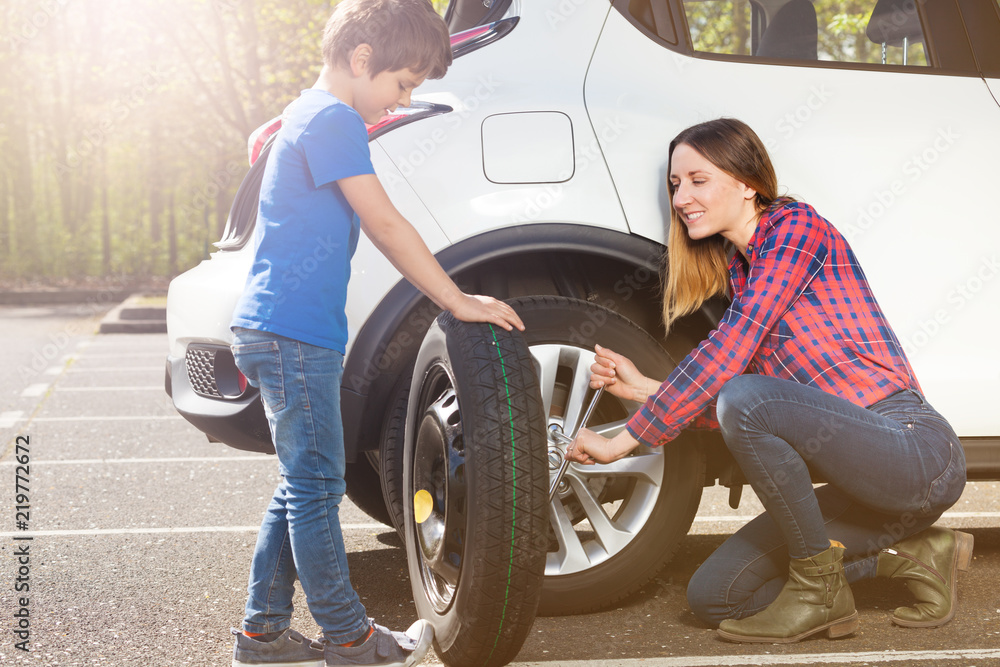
x: 708, y: 200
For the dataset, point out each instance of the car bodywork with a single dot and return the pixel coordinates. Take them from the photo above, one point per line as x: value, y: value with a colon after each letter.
x: 546, y: 172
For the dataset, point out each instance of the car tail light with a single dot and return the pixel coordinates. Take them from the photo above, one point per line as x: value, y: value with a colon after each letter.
x: 259, y: 137
x: 401, y: 116
x: 469, y: 40
x: 462, y: 43
x: 404, y: 116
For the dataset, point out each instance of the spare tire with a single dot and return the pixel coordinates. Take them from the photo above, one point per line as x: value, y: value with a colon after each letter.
x: 474, y: 466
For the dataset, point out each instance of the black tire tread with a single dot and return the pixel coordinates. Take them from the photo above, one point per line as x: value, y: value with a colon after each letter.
x: 507, y: 484
x: 391, y: 453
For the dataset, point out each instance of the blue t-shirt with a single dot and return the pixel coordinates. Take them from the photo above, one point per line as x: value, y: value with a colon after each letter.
x: 306, y: 231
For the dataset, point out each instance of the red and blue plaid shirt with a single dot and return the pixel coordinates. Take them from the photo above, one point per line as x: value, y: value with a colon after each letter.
x: 801, y: 311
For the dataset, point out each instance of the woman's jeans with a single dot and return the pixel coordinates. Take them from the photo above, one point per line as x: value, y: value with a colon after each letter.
x: 891, y: 471
x: 300, y: 534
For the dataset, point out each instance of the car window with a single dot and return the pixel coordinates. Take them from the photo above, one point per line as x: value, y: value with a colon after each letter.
x: 887, y: 32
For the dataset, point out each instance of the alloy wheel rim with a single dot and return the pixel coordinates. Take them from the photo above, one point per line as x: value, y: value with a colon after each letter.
x: 587, y: 529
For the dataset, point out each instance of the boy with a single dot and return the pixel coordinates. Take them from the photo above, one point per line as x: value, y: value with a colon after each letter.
x: 290, y: 328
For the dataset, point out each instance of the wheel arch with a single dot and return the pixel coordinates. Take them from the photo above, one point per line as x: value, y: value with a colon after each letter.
x: 613, y: 268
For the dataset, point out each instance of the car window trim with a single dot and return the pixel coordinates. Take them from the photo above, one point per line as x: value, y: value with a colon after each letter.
x: 685, y: 47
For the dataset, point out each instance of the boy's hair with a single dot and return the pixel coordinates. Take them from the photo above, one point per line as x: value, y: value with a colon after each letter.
x: 402, y: 34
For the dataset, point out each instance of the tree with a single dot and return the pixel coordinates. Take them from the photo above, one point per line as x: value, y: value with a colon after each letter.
x: 134, y: 123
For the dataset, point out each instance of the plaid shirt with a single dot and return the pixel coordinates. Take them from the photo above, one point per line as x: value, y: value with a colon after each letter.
x: 802, y: 311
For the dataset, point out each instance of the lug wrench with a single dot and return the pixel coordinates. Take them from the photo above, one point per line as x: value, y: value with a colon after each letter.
x: 569, y: 440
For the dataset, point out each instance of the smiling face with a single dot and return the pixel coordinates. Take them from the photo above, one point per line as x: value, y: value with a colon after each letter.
x: 708, y: 200
x: 374, y: 97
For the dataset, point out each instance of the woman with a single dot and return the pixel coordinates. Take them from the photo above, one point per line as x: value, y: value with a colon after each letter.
x: 802, y: 374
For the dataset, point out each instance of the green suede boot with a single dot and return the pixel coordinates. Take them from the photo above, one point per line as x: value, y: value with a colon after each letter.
x: 929, y: 563
x: 815, y: 598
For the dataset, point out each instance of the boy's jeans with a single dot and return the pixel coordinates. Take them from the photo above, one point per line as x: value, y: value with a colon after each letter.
x: 300, y: 533
x: 892, y: 470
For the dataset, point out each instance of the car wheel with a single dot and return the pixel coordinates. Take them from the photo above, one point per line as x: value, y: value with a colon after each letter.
x: 474, y: 480
x: 612, y: 527
x: 364, y: 487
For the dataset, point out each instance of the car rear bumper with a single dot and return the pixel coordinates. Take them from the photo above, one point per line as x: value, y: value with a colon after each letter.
x: 237, y: 421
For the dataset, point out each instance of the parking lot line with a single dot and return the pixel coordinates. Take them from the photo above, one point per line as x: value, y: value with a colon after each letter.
x: 8, y: 419
x: 169, y: 530
x: 151, y: 353
x: 743, y: 518
x: 865, y: 657
x: 157, y: 387
x: 114, y: 369
x: 165, y: 459
x: 36, y: 389
x: 105, y: 419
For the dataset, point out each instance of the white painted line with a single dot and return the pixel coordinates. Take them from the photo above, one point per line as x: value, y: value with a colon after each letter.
x: 114, y: 369
x: 55, y: 370
x: 121, y: 355
x: 105, y: 419
x: 8, y: 419
x: 157, y: 387
x: 737, y: 518
x: 178, y: 459
x: 34, y: 390
x: 171, y: 530
x: 864, y: 657
x: 726, y: 517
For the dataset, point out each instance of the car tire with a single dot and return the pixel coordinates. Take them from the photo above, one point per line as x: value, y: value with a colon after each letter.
x: 475, y: 451
x: 391, y: 452
x: 364, y: 487
x: 613, y: 527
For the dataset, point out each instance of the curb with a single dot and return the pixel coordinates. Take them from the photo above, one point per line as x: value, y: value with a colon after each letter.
x: 136, y: 315
x: 102, y: 297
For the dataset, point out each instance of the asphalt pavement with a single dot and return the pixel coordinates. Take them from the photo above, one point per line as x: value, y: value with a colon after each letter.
x: 141, y: 533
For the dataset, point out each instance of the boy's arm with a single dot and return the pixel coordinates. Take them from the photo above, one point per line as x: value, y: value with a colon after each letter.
x: 402, y: 245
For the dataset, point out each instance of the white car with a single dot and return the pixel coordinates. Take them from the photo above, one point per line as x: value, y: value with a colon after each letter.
x: 535, y: 169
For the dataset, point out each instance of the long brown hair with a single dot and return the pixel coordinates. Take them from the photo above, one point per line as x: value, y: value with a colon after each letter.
x: 696, y: 270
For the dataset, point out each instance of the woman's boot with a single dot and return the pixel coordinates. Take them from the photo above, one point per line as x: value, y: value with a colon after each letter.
x: 929, y: 563
x: 815, y: 598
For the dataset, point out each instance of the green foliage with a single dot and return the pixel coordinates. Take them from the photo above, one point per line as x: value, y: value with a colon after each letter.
x: 719, y: 27
x: 126, y: 140
x: 723, y: 26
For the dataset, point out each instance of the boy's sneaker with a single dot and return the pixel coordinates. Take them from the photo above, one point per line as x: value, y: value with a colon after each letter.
x: 290, y: 649
x: 385, y: 647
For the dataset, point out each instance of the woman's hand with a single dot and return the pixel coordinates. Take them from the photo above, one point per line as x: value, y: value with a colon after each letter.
x: 474, y: 308
x: 619, y: 376
x: 589, y: 447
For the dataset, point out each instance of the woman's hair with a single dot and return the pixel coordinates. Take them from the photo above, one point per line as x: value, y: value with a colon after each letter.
x: 402, y: 34
x: 696, y: 270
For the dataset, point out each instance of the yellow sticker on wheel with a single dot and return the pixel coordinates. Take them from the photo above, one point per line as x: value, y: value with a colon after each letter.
x: 423, y: 503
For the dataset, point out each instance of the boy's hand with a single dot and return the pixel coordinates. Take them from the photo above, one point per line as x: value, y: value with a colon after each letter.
x: 475, y: 308
x: 396, y: 238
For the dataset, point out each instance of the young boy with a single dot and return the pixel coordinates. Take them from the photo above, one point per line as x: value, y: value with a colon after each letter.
x: 290, y: 328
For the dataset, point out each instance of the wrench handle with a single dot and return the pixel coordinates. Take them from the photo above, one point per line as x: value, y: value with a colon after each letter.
x: 565, y: 463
